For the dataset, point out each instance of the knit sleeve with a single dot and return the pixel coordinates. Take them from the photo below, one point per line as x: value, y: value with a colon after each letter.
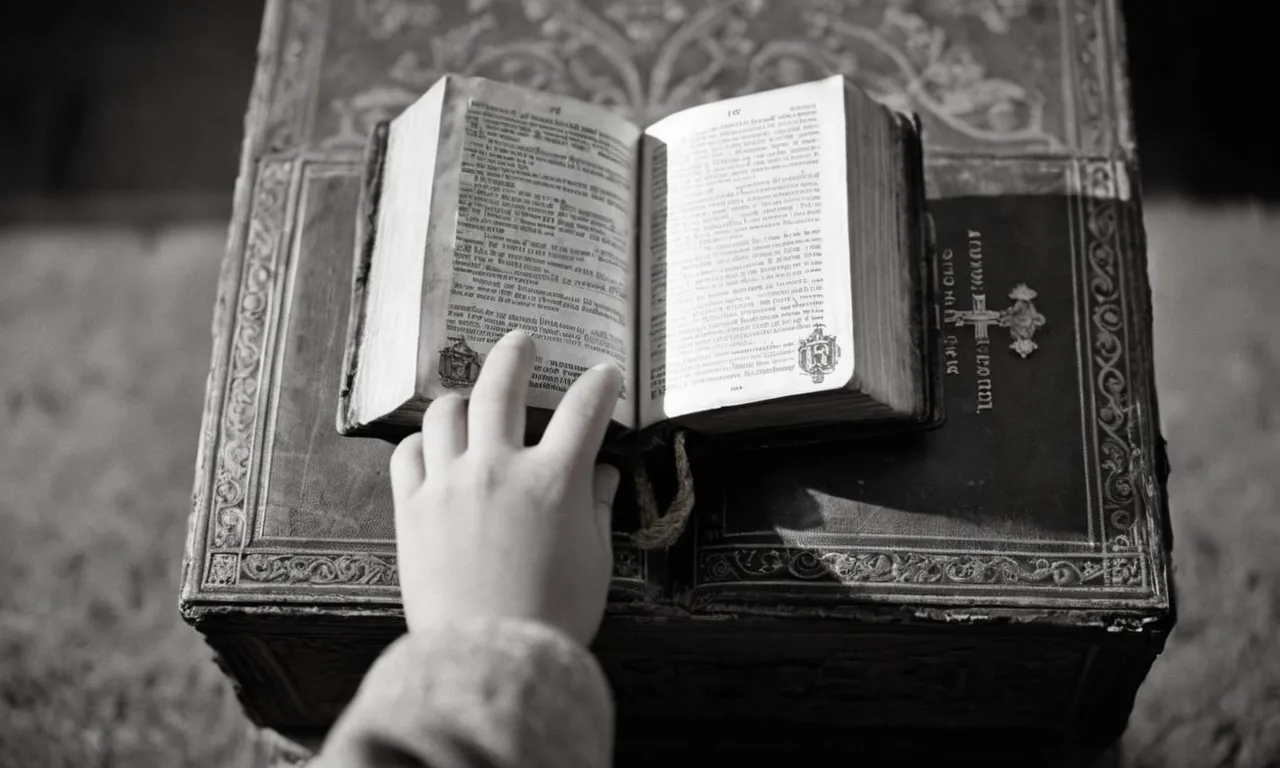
x: 493, y: 693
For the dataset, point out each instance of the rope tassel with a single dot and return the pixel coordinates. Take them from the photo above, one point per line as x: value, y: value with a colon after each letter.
x: 661, y: 530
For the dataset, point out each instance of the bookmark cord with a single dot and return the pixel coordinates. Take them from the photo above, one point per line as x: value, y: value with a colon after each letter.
x: 659, y: 530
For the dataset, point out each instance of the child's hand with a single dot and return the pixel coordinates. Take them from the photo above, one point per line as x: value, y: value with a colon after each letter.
x: 488, y: 527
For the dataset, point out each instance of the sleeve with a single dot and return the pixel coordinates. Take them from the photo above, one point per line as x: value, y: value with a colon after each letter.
x: 491, y: 693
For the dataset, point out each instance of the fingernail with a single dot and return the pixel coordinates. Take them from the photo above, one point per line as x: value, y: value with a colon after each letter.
x: 611, y: 373
x: 520, y: 339
x: 609, y: 366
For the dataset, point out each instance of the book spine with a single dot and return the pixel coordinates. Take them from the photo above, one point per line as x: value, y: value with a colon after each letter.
x: 366, y: 236
x: 925, y: 246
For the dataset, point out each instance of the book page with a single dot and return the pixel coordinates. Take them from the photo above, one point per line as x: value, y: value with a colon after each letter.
x: 745, y: 251
x: 544, y: 239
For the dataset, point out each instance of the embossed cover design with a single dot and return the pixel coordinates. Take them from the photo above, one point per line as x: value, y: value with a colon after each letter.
x: 1043, y: 495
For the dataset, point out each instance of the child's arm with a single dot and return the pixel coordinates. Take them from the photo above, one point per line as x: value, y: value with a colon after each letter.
x: 485, y: 692
x: 504, y: 555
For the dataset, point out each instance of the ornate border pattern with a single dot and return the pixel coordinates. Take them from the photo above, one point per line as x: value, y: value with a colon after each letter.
x: 259, y: 100
x: 743, y: 564
x: 355, y: 569
x: 648, y: 58
x: 1119, y: 451
x: 267, y: 223
x: 1094, y: 128
x: 291, y: 568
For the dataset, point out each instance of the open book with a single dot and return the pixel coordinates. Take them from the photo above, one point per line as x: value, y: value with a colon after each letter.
x: 751, y: 264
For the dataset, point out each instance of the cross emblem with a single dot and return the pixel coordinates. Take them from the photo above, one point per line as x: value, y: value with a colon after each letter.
x: 1022, y: 319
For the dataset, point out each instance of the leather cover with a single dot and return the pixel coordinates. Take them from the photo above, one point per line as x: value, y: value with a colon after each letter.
x: 1008, y: 568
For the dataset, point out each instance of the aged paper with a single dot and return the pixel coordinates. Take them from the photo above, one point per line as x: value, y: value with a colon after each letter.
x: 545, y: 236
x: 744, y: 249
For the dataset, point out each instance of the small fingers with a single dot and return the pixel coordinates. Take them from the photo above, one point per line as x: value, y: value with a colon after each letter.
x: 497, y: 410
x: 444, y: 432
x: 407, y: 470
x: 577, y: 428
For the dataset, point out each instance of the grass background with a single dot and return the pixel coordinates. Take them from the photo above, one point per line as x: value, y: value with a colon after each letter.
x: 105, y: 346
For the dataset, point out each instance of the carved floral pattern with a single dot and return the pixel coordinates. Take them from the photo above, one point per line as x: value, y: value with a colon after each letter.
x: 1089, y: 79
x: 646, y: 22
x: 997, y: 15
x: 222, y: 570
x: 384, y: 19
x: 745, y: 564
x: 240, y: 409
x: 1118, y: 446
x: 648, y: 58
x: 1125, y: 572
x: 362, y: 569
x: 294, y: 89
x: 945, y: 80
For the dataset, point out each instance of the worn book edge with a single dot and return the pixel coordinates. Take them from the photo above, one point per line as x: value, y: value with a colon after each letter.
x: 375, y: 158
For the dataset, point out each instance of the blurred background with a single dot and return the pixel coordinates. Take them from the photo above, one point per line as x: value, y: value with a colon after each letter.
x: 119, y: 141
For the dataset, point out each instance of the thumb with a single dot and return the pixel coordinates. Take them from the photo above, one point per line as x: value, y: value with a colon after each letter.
x: 604, y: 486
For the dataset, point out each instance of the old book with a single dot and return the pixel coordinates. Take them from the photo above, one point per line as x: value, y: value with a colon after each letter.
x: 1009, y: 569
x: 750, y: 264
